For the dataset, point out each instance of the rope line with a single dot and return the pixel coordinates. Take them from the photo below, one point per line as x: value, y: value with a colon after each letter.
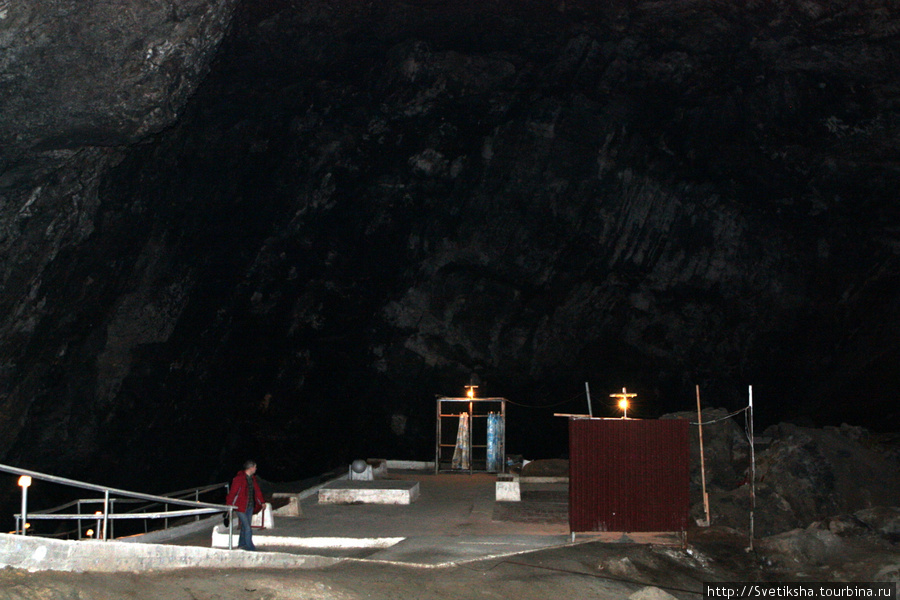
x: 722, y: 418
x: 575, y: 397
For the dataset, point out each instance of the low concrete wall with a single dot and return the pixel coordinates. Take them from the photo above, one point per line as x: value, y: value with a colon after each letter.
x: 44, y: 554
x: 266, y: 542
x: 410, y: 465
x: 370, y: 492
x: 165, y: 535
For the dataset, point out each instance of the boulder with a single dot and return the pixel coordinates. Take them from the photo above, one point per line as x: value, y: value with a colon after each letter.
x: 883, y: 520
x: 651, y: 593
x: 809, y: 475
x: 803, y: 547
x: 821, y: 472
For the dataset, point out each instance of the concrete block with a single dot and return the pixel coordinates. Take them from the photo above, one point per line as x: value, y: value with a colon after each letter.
x: 369, y: 492
x: 508, y: 491
x: 365, y: 475
x: 291, y: 509
x: 379, y: 467
x: 410, y: 465
x: 264, y: 519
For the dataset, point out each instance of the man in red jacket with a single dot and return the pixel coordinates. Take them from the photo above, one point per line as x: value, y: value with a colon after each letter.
x: 245, y: 495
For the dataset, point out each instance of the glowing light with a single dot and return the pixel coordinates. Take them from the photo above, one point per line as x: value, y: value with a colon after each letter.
x: 89, y: 533
x: 25, y: 481
x: 624, y: 398
x: 471, y: 390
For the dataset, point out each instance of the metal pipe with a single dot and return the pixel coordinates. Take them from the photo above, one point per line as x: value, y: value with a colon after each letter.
x: 752, y: 466
x: 230, y: 528
x: 115, y: 516
x: 100, y: 488
x: 24, y: 510
x: 106, y: 516
x: 587, y: 391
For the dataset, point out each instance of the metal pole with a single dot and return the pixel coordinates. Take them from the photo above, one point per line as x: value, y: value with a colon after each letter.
x: 752, y: 467
x: 503, y: 421
x: 437, y: 443
x: 587, y: 390
x: 230, y: 528
x: 471, y: 427
x: 105, y: 514
x: 24, y: 510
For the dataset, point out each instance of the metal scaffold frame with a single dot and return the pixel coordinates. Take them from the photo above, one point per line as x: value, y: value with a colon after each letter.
x: 448, y: 418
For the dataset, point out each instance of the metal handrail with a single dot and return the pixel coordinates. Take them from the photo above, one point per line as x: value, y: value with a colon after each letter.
x: 198, y: 507
x: 140, y: 512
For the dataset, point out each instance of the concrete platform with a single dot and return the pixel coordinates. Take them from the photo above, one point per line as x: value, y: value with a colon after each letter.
x: 379, y: 491
x: 454, y: 521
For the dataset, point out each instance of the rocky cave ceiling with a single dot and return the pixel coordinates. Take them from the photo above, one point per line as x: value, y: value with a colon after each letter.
x: 281, y: 228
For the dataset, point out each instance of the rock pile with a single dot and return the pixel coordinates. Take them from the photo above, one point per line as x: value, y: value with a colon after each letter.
x: 803, y: 475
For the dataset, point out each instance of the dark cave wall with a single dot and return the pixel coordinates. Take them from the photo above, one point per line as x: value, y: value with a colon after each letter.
x: 363, y: 204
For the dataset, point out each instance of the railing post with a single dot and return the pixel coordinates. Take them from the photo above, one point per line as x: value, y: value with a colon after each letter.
x: 24, y: 483
x: 230, y: 528
x: 105, y: 514
x: 197, y: 499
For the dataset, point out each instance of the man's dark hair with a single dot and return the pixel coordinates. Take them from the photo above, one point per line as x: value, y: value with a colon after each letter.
x: 248, y: 464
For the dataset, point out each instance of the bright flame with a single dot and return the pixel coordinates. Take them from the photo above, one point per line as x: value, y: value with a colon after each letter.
x: 24, y: 481
x: 623, y: 404
x: 470, y: 393
x: 89, y: 533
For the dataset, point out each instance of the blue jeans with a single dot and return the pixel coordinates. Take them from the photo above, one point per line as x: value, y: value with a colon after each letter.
x: 245, y: 539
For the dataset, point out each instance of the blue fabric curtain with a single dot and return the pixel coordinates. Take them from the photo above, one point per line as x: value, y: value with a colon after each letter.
x: 494, y: 442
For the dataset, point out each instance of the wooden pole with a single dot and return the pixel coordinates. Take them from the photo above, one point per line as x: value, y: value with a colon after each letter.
x: 702, y: 460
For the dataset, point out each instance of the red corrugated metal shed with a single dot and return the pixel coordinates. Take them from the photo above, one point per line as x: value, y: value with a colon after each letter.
x: 628, y: 475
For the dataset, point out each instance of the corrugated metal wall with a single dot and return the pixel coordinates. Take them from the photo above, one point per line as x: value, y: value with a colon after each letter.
x: 628, y: 475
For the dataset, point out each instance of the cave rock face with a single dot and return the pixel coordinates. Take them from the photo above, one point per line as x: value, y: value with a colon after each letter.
x: 100, y: 73
x: 289, y: 250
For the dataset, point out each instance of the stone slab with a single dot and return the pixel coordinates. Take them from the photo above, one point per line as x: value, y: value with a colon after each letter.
x: 44, y: 554
x: 268, y: 542
x: 292, y: 508
x: 369, y: 492
x: 507, y: 491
